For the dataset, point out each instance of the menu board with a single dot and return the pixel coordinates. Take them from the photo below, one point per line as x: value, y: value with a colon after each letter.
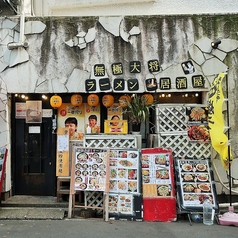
x: 157, y: 173
x: 120, y: 203
x: 89, y: 169
x: 124, y: 171
x: 195, y: 183
x: 62, y: 154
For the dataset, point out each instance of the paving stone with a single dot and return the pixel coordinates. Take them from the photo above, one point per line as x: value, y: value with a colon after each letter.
x: 25, y: 213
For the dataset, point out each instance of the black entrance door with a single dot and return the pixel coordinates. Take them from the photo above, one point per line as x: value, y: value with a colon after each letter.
x: 34, y: 158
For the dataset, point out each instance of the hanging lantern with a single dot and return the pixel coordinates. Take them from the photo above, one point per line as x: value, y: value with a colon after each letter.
x: 76, y: 100
x: 107, y: 100
x: 93, y: 100
x: 123, y: 100
x: 148, y: 99
x: 55, y: 101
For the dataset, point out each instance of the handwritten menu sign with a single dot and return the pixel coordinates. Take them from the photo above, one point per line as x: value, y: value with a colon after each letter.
x: 124, y: 171
x: 63, y: 142
x: 156, y: 173
x: 62, y: 154
x: 195, y: 182
x: 90, y: 169
x: 120, y: 203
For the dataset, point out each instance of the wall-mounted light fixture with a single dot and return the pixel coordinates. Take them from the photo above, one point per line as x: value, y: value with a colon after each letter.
x: 44, y: 97
x: 215, y: 44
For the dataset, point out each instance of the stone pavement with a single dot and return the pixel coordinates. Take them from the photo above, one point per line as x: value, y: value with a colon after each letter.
x: 33, y: 208
x: 36, y: 208
x: 29, y: 216
x: 91, y: 228
x: 30, y: 213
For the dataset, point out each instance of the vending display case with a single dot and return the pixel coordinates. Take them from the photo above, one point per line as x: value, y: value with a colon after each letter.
x: 159, y: 201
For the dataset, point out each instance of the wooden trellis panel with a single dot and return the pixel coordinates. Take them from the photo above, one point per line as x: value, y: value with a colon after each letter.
x: 170, y: 118
x: 94, y: 199
x: 110, y: 141
x: 181, y: 146
x: 171, y: 132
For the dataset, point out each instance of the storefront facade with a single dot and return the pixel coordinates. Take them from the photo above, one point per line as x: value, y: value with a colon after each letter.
x: 169, y: 57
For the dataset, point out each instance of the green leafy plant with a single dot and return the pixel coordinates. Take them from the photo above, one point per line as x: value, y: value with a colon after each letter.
x: 138, y: 109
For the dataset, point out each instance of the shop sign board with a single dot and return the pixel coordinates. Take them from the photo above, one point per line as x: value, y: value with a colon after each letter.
x: 124, y: 171
x: 125, y: 199
x: 157, y: 173
x: 159, y: 201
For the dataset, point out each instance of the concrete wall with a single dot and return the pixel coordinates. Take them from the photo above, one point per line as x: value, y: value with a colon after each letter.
x: 62, y: 51
x: 132, y: 7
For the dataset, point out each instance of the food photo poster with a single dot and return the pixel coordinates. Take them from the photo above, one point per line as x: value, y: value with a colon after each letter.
x: 197, y: 124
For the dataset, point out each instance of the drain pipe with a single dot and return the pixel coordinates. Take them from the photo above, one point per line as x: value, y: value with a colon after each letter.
x: 20, y: 43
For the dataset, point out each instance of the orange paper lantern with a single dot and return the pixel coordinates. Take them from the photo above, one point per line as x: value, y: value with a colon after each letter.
x: 93, y: 100
x: 107, y: 100
x: 147, y: 99
x: 76, y: 100
x: 55, y: 101
x: 123, y: 100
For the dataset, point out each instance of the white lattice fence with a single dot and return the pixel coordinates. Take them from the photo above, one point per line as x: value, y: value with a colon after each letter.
x: 170, y: 118
x: 110, y: 141
x: 94, y: 199
x: 182, y: 147
x: 171, y: 132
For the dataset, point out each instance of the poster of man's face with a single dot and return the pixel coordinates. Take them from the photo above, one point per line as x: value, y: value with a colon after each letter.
x: 72, y: 117
x: 77, y: 118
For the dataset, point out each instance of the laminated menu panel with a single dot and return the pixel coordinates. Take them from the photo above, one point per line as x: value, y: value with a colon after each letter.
x: 127, y: 207
x: 195, y: 182
x: 125, y: 199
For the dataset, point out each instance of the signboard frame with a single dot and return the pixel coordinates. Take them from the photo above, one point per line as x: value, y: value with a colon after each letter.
x: 82, y: 156
x: 158, y: 185
x: 157, y: 173
x: 195, y: 182
x: 125, y: 171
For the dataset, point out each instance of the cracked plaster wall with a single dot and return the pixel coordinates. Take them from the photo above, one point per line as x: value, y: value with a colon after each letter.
x: 62, y: 53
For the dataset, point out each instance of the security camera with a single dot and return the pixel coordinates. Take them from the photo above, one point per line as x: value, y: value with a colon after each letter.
x: 215, y: 44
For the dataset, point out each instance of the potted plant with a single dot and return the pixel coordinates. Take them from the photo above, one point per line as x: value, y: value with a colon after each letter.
x: 137, y: 109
